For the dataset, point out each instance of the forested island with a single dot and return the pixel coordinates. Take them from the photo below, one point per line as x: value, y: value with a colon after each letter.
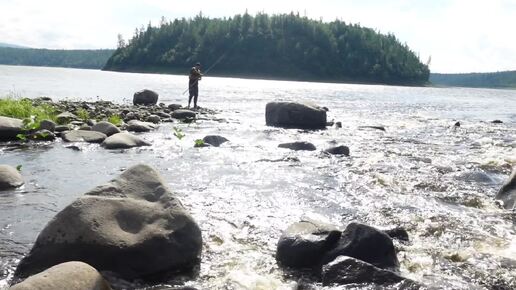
x: 92, y: 59
x: 504, y: 79
x: 285, y: 46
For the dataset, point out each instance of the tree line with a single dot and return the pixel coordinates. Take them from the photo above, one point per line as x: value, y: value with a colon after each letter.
x: 504, y: 79
x: 276, y: 46
x: 91, y: 59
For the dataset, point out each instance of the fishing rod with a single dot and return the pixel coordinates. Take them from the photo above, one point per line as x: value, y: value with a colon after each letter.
x: 206, y: 72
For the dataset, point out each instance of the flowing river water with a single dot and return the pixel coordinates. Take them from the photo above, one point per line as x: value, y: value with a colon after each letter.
x: 436, y: 180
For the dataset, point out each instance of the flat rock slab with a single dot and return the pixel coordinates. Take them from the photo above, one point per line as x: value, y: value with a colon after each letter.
x: 9, y: 177
x: 106, y: 128
x: 9, y: 128
x: 295, y: 115
x: 338, y: 150
x: 70, y: 275
x: 139, y: 126
x: 183, y: 114
x: 123, y: 141
x: 132, y: 226
x: 298, y: 146
x: 83, y: 136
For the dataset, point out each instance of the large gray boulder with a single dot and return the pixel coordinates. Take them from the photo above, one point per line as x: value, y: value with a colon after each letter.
x: 145, y: 97
x: 367, y: 244
x: 123, y: 141
x: 47, y: 125
x: 295, y: 115
x: 70, y: 275
x: 9, y: 128
x: 338, y: 150
x: 304, y: 244
x: 214, y: 140
x: 347, y: 270
x: 507, y: 194
x: 9, y: 177
x: 133, y: 226
x: 139, y: 126
x: 106, y: 128
x: 298, y: 146
x: 182, y: 114
x: 83, y: 136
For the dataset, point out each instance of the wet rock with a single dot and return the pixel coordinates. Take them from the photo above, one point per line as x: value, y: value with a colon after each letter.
x: 123, y: 141
x: 145, y: 97
x: 85, y: 128
x: 303, y: 244
x: 83, y: 136
x: 9, y: 128
x: 298, y: 146
x: 477, y: 176
x: 70, y: 275
x: 73, y: 147
x: 9, y: 177
x: 47, y: 125
x: 497, y: 122
x: 338, y: 125
x: 182, y: 114
x: 65, y: 118
x: 507, y: 194
x: 106, y: 128
x: 174, y: 107
x: 91, y: 122
x: 367, y: 244
x: 398, y: 234
x: 295, y: 115
x: 339, y: 150
x: 330, y: 124
x: 139, y: 126
x: 457, y: 124
x: 154, y: 119
x: 133, y: 226
x: 164, y: 115
x: 347, y: 270
x: 61, y: 128
x: 77, y: 123
x: 42, y: 135
x: 214, y: 140
x: 381, y: 128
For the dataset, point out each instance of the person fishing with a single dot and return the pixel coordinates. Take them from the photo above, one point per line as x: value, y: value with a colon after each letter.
x: 193, y: 84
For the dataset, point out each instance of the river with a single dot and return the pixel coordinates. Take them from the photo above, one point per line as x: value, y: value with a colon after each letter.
x: 422, y: 173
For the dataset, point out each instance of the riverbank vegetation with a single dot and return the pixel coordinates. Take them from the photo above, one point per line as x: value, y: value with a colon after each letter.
x: 504, y: 79
x: 91, y: 59
x: 26, y: 109
x: 286, y: 46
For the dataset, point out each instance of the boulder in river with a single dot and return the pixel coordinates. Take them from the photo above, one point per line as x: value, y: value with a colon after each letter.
x: 123, y: 141
x: 9, y: 128
x: 347, y: 270
x: 106, y: 128
x: 507, y: 194
x: 182, y: 114
x: 9, y: 177
x: 42, y: 135
x: 145, y: 97
x: 83, y: 136
x: 69, y: 275
x: 303, y: 244
x: 367, y: 244
x: 338, y: 150
x: 65, y: 118
x: 295, y: 115
x: 154, y: 119
x: 214, y: 140
x: 139, y: 126
x: 47, y: 125
x: 132, y: 226
x: 298, y: 146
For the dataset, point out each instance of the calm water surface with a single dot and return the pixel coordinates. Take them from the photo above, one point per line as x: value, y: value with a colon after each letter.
x: 423, y: 174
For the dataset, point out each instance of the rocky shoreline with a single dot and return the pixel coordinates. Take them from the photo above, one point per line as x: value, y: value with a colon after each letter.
x: 134, y: 227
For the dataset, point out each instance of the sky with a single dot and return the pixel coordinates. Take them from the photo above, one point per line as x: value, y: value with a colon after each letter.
x: 458, y: 35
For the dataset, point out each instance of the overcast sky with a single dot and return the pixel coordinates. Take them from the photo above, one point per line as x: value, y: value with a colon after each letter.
x: 459, y: 35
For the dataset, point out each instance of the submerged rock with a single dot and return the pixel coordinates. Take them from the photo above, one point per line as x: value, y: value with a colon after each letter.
x: 106, y: 128
x: 367, y: 244
x: 42, y: 135
x: 70, y: 275
x: 83, y: 136
x: 347, y: 270
x: 123, y: 141
x: 303, y: 244
x: 145, y: 97
x: 214, y: 140
x: 133, y: 226
x: 139, y: 126
x: 9, y: 128
x: 295, y: 115
x: 507, y: 194
x: 182, y: 114
x: 339, y: 150
x: 9, y: 177
x: 298, y: 146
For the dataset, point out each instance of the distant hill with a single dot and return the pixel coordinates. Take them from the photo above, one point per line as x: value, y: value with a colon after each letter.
x: 285, y: 46
x: 3, y: 44
x: 505, y: 79
x: 91, y: 59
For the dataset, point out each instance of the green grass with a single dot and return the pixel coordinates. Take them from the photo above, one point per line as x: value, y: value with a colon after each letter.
x: 83, y: 114
x: 24, y: 109
x: 115, y: 120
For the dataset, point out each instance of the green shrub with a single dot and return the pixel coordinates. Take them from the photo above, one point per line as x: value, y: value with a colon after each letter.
x: 83, y: 114
x: 115, y: 120
x: 24, y: 109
